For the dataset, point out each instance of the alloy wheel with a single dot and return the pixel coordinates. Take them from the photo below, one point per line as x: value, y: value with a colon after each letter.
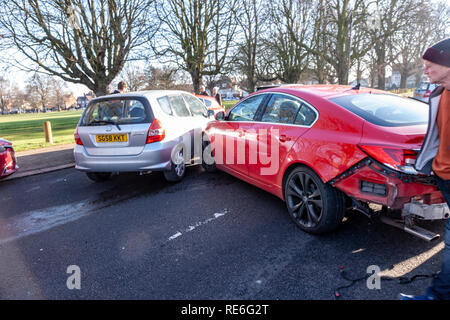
x: 304, y: 200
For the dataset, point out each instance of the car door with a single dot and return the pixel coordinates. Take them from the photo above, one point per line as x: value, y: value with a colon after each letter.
x: 199, y: 121
x: 284, y: 119
x: 231, y: 148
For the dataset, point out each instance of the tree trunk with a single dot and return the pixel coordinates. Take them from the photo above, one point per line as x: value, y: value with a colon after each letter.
x: 381, y: 62
x: 100, y: 88
x: 251, y: 84
x: 196, y: 80
x: 403, y: 78
x: 342, y: 74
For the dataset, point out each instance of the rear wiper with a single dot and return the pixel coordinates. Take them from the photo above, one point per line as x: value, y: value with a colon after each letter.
x: 106, y: 122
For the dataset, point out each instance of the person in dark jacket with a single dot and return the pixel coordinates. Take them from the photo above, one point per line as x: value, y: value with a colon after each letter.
x: 217, y: 95
x: 121, y: 87
x: 435, y: 153
x: 203, y: 91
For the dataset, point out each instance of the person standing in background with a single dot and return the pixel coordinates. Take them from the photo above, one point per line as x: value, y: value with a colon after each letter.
x: 121, y: 87
x: 203, y: 91
x: 217, y: 95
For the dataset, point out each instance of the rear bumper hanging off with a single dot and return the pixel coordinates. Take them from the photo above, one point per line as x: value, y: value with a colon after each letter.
x: 436, y: 211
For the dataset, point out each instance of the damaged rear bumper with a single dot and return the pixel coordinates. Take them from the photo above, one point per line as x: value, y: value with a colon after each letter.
x: 370, y: 181
x: 436, y: 211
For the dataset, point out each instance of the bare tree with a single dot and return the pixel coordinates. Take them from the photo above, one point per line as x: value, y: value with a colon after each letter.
x: 135, y: 77
x: 320, y: 38
x: 80, y: 41
x: 196, y: 35
x: 337, y: 41
x: 430, y: 24
x: 165, y: 78
x: 57, y: 92
x: 5, y: 94
x: 250, y: 18
x: 393, y: 16
x: 290, y: 21
x: 41, y: 87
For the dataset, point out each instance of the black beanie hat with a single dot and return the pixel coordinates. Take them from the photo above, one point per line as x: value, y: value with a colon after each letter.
x: 439, y: 53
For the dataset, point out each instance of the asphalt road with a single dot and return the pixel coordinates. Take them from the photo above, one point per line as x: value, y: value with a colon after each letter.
x: 210, y: 236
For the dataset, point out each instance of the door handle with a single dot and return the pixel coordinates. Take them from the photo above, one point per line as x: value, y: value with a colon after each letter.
x: 284, y: 138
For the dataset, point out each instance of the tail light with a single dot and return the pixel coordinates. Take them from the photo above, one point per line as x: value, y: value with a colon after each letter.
x: 395, y: 158
x: 77, y: 137
x: 427, y: 94
x: 155, y: 132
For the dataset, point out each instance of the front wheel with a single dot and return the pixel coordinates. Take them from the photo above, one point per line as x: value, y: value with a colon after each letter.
x: 314, y: 206
x: 208, y: 162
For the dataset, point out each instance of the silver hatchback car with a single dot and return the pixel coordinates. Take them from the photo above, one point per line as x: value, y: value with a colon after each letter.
x: 423, y: 91
x: 140, y: 132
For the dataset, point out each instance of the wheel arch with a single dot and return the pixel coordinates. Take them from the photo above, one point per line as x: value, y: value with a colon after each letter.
x: 291, y: 167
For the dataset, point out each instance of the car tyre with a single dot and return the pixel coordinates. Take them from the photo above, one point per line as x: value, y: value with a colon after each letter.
x: 99, y: 176
x: 178, y: 168
x: 314, y: 206
x: 209, y: 167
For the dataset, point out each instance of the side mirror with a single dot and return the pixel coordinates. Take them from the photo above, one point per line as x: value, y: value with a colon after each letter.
x: 220, y: 116
x: 210, y: 113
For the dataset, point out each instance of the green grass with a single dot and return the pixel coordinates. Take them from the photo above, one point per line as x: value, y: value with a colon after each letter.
x: 228, y: 104
x: 26, y: 131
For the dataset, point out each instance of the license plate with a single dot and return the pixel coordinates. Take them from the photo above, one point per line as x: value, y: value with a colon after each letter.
x: 112, y: 138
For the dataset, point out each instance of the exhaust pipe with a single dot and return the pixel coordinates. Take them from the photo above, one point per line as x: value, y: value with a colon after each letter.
x: 422, y: 233
x: 414, y: 230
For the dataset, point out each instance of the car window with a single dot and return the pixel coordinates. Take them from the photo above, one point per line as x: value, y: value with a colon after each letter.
x: 121, y: 111
x: 165, y: 105
x: 385, y: 109
x: 285, y: 109
x: 423, y: 86
x: 195, y: 106
x: 179, y: 106
x: 246, y: 110
x: 306, y: 116
x: 207, y: 102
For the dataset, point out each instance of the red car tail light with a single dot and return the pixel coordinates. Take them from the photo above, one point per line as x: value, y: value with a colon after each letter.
x: 427, y: 94
x: 77, y: 137
x: 155, y: 132
x: 395, y: 158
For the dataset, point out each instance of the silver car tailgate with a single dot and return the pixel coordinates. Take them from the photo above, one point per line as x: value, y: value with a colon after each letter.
x: 108, y: 140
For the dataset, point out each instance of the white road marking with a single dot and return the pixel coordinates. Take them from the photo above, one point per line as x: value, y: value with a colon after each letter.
x: 176, y: 235
x: 198, y: 224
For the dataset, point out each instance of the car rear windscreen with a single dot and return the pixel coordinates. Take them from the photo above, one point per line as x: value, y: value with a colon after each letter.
x: 385, y: 109
x: 118, y: 111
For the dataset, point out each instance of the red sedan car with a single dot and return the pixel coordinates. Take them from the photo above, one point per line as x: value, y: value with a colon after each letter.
x: 211, y: 103
x: 8, y: 163
x: 325, y: 148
